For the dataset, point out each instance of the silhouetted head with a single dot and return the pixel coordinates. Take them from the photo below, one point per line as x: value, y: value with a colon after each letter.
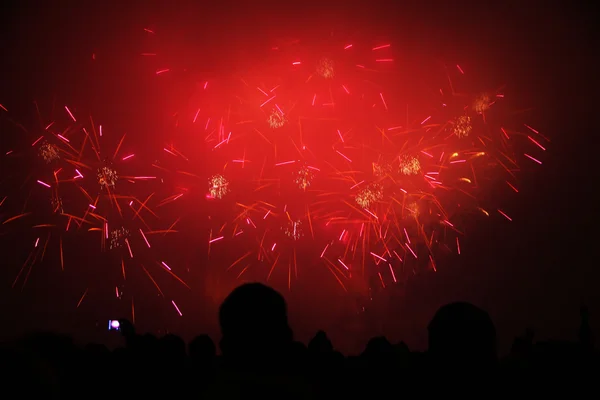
x: 402, y: 348
x: 378, y: 347
x: 202, y: 348
x: 320, y: 343
x: 462, y: 333
x: 50, y: 346
x: 253, y: 321
x: 172, y: 346
x: 97, y: 350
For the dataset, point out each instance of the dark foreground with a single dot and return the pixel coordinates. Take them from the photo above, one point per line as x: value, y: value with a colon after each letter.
x: 261, y: 360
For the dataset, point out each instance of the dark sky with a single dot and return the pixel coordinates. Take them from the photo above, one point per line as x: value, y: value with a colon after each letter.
x: 534, y: 273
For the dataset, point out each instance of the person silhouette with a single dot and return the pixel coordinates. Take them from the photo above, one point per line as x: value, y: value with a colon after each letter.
x: 171, y: 348
x: 202, y: 350
x: 257, y: 347
x: 320, y: 344
x: 254, y: 325
x: 461, y: 334
x: 203, y: 356
x: 586, y: 337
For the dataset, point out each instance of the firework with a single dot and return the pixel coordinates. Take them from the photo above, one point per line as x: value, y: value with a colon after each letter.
x: 369, y: 195
x: 404, y: 219
x: 462, y: 126
x: 409, y: 165
x: 118, y: 238
x: 304, y: 178
x: 325, y: 68
x: 49, y: 152
x: 392, y: 186
x: 380, y: 170
x: 218, y: 186
x: 294, y: 230
x: 276, y: 119
x: 57, y: 203
x: 482, y: 103
x: 107, y: 177
x: 346, y: 74
x: 73, y: 199
x: 40, y: 208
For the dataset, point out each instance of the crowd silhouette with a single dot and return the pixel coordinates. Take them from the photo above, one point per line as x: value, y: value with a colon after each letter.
x: 259, y: 358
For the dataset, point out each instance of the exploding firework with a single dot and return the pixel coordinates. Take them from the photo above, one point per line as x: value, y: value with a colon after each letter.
x: 57, y: 203
x: 118, y: 238
x: 482, y: 103
x: 369, y: 195
x: 392, y: 185
x: 304, y: 178
x: 409, y: 165
x: 107, y: 177
x: 218, y: 186
x: 462, y: 126
x: 294, y: 230
x: 276, y: 119
x: 381, y: 170
x: 41, y: 208
x: 49, y: 152
x: 325, y: 68
x: 74, y: 198
x: 267, y: 238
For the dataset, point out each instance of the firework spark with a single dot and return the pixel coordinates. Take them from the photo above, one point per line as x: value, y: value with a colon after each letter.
x: 304, y: 178
x: 107, y: 177
x: 218, y: 186
x: 380, y: 170
x: 373, y: 211
x: 294, y: 230
x: 462, y: 126
x: 78, y: 211
x: 325, y: 68
x: 276, y: 119
x: 369, y: 195
x: 118, y: 238
x: 410, y: 165
x: 481, y: 103
x: 49, y: 152
x: 392, y: 183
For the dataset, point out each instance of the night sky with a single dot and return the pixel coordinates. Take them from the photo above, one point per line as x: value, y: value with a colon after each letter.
x: 532, y: 273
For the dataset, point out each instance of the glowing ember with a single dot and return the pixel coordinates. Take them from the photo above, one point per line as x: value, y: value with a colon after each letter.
x: 304, y: 178
x: 107, y: 177
x: 118, y: 238
x: 481, y: 103
x: 57, y: 204
x: 409, y: 165
x: 218, y: 186
x: 462, y: 126
x: 49, y: 152
x: 276, y: 119
x: 325, y: 68
x: 294, y: 230
x: 369, y: 195
x: 394, y: 185
x: 413, y: 209
x: 380, y: 170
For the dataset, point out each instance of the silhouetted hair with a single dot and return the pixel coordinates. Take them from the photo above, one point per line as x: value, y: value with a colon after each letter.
x: 320, y: 343
x: 462, y: 332
x: 202, y: 348
x: 171, y: 346
x: 253, y: 318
